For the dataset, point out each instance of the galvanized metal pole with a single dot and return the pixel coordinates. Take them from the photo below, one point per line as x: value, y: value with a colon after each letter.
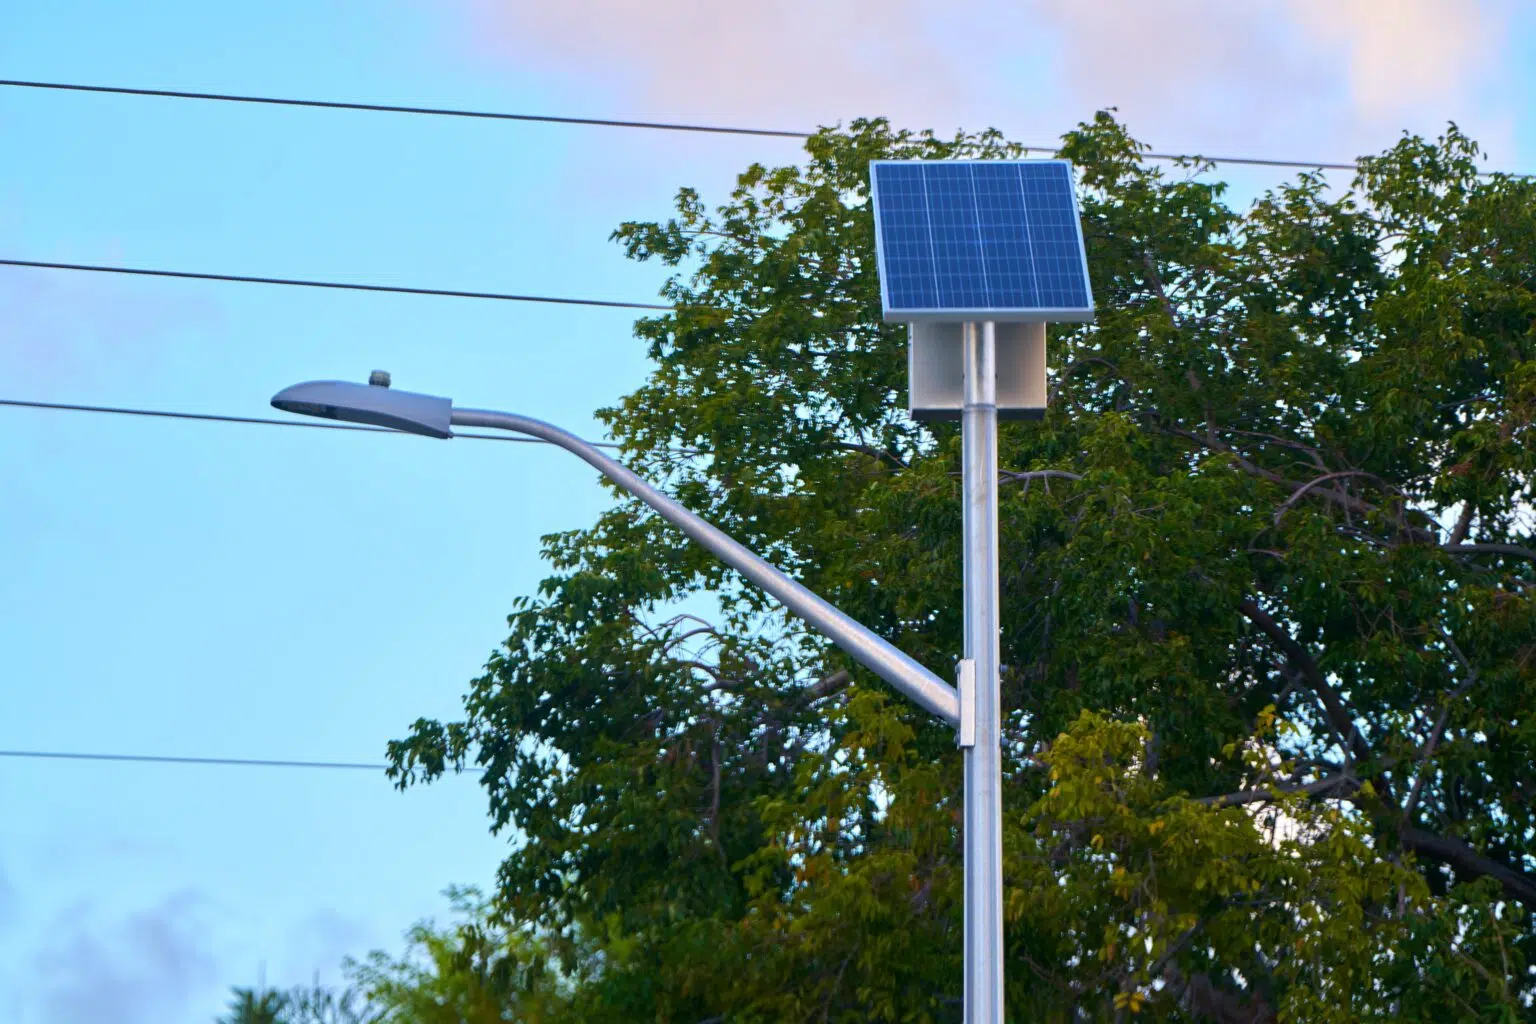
x: 879, y: 655
x: 983, y: 760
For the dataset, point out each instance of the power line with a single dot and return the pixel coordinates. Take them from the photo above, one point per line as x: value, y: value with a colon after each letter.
x: 384, y: 108
x: 340, y: 285
x: 239, y: 762
x: 256, y: 420
x: 591, y: 121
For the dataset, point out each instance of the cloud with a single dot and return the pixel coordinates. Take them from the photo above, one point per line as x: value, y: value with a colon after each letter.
x: 1401, y: 53
x: 57, y: 325
x: 10, y: 900
x: 1185, y: 71
x: 318, y: 944
x: 1259, y: 74
x: 147, y: 967
x: 1381, y: 57
x: 812, y: 60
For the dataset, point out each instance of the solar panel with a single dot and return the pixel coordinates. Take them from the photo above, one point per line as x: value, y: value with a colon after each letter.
x: 993, y: 240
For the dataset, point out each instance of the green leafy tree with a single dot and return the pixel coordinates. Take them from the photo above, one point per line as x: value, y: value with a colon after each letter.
x: 1270, y: 701
x: 474, y: 972
x: 318, y: 1004
x: 304, y: 1004
x: 258, y: 1005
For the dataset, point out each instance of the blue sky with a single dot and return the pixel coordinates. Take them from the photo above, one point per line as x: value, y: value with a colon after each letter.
x: 209, y: 590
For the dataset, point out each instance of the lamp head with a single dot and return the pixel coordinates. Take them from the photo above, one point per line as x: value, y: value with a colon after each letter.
x: 374, y: 403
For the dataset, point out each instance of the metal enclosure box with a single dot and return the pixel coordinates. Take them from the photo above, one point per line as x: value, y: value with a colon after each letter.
x: 936, y: 390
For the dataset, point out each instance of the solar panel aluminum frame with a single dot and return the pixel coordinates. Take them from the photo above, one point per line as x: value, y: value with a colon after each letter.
x: 997, y: 315
x: 935, y: 381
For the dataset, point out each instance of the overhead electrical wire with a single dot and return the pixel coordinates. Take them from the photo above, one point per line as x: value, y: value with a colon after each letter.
x: 239, y: 762
x: 449, y: 112
x: 398, y: 289
x: 260, y: 421
x: 293, y: 282
x: 385, y: 108
x: 668, y: 126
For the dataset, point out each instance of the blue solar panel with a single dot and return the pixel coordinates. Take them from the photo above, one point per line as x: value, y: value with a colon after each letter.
x: 979, y: 240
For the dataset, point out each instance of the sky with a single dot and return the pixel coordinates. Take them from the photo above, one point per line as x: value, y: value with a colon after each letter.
x: 210, y: 590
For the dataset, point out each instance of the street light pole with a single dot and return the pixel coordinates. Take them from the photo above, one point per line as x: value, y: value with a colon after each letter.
x: 870, y: 649
x: 976, y: 257
x: 377, y: 404
x: 867, y: 647
x: 972, y: 710
x: 983, y: 758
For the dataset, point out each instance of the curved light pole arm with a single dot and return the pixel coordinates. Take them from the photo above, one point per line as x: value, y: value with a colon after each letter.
x: 868, y: 648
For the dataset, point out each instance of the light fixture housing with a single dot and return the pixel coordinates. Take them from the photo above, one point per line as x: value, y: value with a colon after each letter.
x: 373, y: 404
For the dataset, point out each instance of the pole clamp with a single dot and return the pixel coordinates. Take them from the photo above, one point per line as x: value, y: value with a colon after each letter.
x: 965, y: 685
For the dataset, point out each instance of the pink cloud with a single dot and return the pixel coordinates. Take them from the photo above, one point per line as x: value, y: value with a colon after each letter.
x: 1327, y: 78
x: 1402, y: 53
x: 809, y: 60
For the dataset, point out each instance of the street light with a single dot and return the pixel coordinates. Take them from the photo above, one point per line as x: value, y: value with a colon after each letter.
x: 977, y: 257
x: 376, y: 403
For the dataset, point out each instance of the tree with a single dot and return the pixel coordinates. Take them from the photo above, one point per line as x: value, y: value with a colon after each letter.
x: 475, y: 972
x: 1268, y: 621
x: 255, y: 1006
x: 304, y: 1004
x: 472, y: 971
x: 317, y: 1004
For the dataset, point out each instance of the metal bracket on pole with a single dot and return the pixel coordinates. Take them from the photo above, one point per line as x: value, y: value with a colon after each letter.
x: 965, y: 683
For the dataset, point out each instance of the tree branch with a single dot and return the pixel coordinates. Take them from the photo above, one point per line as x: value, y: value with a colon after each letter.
x: 1438, y: 730
x: 1038, y: 474
x: 1156, y: 281
x: 671, y: 642
x: 714, y: 790
x: 1076, y: 365
x: 1043, y: 475
x: 1514, y: 550
x: 1297, y: 656
x: 1248, y: 467
x: 1304, y: 488
x: 1452, y: 852
x: 826, y: 686
x: 710, y: 670
x: 1209, y: 1001
x: 870, y: 450
x: 1340, y: 784
x: 656, y: 632
x: 1463, y: 524
x: 1313, y: 453
x: 1465, y: 860
x: 1338, y: 497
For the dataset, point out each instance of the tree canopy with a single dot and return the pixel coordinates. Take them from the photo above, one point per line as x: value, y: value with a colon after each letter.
x: 1268, y: 626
